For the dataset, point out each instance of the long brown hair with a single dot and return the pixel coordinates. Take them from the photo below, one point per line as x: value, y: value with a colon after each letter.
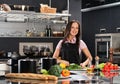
x: 68, y: 29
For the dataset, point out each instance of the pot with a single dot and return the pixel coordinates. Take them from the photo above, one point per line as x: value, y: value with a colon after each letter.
x: 46, y: 63
x: 27, y: 66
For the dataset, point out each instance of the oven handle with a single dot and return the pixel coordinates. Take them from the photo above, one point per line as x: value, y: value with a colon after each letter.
x: 107, y: 48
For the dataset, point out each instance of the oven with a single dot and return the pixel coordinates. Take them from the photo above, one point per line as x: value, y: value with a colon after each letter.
x: 103, y: 43
x: 102, y: 46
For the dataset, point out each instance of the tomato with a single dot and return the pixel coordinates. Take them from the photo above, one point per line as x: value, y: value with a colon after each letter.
x: 106, y: 68
x: 92, y: 66
x: 65, y: 72
x: 108, y: 64
x: 111, y: 67
x: 116, y: 67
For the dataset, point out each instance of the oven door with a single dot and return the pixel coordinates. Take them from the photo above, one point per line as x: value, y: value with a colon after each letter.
x: 102, y: 50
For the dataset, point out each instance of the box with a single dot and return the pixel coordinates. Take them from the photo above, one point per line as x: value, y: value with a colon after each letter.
x: 47, y: 9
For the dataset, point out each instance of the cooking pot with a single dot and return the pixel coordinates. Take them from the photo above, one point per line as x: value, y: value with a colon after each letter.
x: 27, y: 66
x: 47, y: 62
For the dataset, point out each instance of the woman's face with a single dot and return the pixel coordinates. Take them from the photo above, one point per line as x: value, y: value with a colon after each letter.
x: 74, y: 29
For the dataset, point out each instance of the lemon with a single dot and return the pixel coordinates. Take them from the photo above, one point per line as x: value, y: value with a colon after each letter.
x: 62, y: 65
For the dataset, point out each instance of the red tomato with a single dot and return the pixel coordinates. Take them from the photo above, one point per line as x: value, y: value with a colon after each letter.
x: 111, y: 67
x: 106, y: 68
x: 116, y: 67
x: 92, y: 66
x: 108, y: 64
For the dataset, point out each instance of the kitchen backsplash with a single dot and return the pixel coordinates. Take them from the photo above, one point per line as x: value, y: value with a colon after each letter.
x: 19, y: 28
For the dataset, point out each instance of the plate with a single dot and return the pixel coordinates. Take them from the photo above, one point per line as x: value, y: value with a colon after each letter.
x: 79, y: 69
x: 62, y: 77
x: 77, y: 72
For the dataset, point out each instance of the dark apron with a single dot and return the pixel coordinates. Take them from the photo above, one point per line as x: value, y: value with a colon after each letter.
x: 70, y: 52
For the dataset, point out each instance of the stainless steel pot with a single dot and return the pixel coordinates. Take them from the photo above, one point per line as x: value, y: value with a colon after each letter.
x: 46, y: 63
x: 27, y: 66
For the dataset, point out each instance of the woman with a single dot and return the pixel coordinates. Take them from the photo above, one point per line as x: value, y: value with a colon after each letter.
x: 70, y: 47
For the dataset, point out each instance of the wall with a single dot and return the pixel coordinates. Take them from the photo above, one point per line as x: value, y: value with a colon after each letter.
x: 59, y: 4
x: 10, y: 44
x: 75, y: 7
x: 92, y: 21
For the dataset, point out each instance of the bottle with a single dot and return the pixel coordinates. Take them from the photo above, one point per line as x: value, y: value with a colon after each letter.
x: 49, y: 31
x: 97, y: 69
x: 46, y: 31
x: 111, y: 55
x: 63, y: 30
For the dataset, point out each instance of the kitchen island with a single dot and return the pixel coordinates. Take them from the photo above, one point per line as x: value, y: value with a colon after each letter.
x: 76, y: 77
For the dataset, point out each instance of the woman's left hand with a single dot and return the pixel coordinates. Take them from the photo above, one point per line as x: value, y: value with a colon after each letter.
x: 82, y: 65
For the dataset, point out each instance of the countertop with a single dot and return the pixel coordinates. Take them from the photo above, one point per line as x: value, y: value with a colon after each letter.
x: 76, y: 77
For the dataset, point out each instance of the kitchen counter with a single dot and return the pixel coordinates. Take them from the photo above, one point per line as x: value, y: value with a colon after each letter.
x: 76, y: 77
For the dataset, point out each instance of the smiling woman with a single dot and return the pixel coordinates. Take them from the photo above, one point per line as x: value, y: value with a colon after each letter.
x: 70, y: 47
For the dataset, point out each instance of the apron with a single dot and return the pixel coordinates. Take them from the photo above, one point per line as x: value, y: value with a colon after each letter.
x: 70, y: 52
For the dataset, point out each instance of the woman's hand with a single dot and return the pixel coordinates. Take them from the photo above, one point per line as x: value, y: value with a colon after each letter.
x: 83, y: 65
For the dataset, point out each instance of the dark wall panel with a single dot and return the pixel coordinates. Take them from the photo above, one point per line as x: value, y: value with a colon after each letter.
x: 24, y: 2
x: 59, y: 4
x: 92, y: 21
x: 75, y: 7
x: 12, y: 43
